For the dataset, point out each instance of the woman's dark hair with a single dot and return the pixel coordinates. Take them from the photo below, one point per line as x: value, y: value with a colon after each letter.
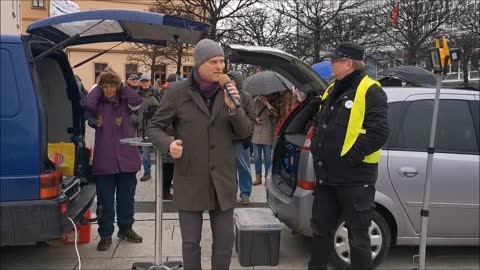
x: 109, y: 77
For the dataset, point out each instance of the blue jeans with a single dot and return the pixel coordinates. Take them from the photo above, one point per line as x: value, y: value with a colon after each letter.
x: 124, y: 185
x: 147, y: 163
x: 267, y: 156
x: 244, y: 178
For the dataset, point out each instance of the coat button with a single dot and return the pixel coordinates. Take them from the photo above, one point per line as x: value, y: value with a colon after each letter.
x: 212, y: 168
x: 320, y: 164
x: 212, y: 147
x: 332, y: 108
x: 324, y: 126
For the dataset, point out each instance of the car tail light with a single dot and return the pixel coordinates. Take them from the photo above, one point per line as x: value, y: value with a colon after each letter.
x: 283, y: 120
x: 50, y: 184
x: 307, y: 185
x: 308, y: 139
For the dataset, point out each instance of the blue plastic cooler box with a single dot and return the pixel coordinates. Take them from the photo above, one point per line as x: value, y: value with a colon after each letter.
x: 257, y: 236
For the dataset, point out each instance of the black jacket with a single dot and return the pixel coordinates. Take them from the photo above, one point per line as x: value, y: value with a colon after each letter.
x: 332, y: 121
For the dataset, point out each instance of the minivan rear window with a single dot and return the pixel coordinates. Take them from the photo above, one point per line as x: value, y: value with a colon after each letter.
x: 105, y: 27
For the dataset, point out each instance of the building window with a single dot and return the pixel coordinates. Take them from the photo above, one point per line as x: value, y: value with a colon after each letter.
x: 99, y: 67
x: 187, y: 70
x: 130, y: 69
x: 161, y: 73
x: 38, y: 3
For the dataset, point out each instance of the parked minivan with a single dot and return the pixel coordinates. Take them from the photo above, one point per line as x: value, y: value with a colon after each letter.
x: 40, y: 104
x: 454, y: 198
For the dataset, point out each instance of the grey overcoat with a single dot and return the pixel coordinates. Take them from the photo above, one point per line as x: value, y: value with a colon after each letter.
x: 207, y: 167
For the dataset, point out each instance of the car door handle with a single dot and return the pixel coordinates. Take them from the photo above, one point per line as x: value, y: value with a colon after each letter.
x: 408, y: 171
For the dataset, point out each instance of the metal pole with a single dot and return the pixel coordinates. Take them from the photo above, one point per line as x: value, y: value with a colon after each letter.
x: 426, y: 195
x: 159, y: 206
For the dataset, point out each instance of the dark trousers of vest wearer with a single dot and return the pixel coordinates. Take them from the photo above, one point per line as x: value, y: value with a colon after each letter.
x: 221, y: 223
x: 330, y: 203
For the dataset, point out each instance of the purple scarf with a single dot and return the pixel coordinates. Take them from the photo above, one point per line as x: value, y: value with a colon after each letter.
x: 206, y: 89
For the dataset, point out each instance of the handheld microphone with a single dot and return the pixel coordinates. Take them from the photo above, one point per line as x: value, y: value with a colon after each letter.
x: 224, y: 81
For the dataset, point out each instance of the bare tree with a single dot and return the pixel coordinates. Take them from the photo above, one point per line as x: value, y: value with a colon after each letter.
x: 470, y: 53
x: 469, y: 21
x: 212, y: 12
x: 311, y: 18
x: 152, y: 55
x: 260, y: 27
x: 173, y: 52
x: 417, y: 23
x: 466, y: 37
x: 146, y: 55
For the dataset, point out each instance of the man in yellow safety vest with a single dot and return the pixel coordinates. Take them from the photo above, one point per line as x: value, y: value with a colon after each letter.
x: 352, y: 126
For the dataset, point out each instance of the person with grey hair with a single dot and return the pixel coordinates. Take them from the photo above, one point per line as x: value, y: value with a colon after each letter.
x: 351, y: 128
x: 205, y: 122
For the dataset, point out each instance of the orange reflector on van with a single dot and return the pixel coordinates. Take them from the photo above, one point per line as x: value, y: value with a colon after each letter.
x: 50, y: 184
x: 307, y: 185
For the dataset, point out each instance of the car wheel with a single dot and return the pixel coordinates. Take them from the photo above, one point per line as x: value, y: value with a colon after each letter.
x: 380, y: 237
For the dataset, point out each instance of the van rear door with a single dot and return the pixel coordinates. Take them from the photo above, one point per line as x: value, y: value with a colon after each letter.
x: 290, y: 137
x: 118, y: 25
x: 295, y: 70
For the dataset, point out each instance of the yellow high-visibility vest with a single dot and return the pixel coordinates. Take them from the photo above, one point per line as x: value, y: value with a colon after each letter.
x: 357, y: 115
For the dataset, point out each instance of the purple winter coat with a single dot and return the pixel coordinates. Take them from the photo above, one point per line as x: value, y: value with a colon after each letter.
x: 111, y: 157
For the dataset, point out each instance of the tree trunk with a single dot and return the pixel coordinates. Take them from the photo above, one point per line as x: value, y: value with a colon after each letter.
x: 411, y: 57
x: 153, y: 67
x: 316, y: 47
x: 212, y: 33
x: 179, y: 58
x: 465, y: 73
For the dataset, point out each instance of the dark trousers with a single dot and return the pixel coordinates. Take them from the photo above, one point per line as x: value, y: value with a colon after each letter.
x: 222, y: 231
x: 167, y: 176
x: 124, y: 185
x: 330, y: 204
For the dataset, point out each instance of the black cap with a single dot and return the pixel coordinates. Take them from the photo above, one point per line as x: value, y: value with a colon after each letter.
x: 347, y: 50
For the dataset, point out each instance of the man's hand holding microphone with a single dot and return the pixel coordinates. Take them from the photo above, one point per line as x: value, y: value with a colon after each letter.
x: 232, y: 96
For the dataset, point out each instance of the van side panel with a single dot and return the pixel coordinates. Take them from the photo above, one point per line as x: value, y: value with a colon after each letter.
x: 20, y: 129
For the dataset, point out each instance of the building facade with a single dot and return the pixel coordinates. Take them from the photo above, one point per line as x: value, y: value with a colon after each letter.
x: 10, y: 16
x: 117, y: 58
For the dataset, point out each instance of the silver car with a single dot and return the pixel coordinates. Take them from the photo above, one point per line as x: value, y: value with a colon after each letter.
x: 454, y: 199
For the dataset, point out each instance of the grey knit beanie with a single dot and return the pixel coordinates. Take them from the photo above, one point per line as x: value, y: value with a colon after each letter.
x: 205, y: 50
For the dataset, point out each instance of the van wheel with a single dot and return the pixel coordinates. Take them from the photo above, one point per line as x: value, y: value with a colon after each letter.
x: 380, y: 237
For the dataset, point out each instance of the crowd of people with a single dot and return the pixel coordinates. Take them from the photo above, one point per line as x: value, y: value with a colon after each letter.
x: 207, y: 143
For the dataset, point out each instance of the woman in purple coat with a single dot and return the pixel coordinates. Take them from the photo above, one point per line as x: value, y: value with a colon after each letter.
x: 115, y: 165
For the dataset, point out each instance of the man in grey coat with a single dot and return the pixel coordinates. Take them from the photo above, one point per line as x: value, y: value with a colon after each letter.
x: 205, y: 122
